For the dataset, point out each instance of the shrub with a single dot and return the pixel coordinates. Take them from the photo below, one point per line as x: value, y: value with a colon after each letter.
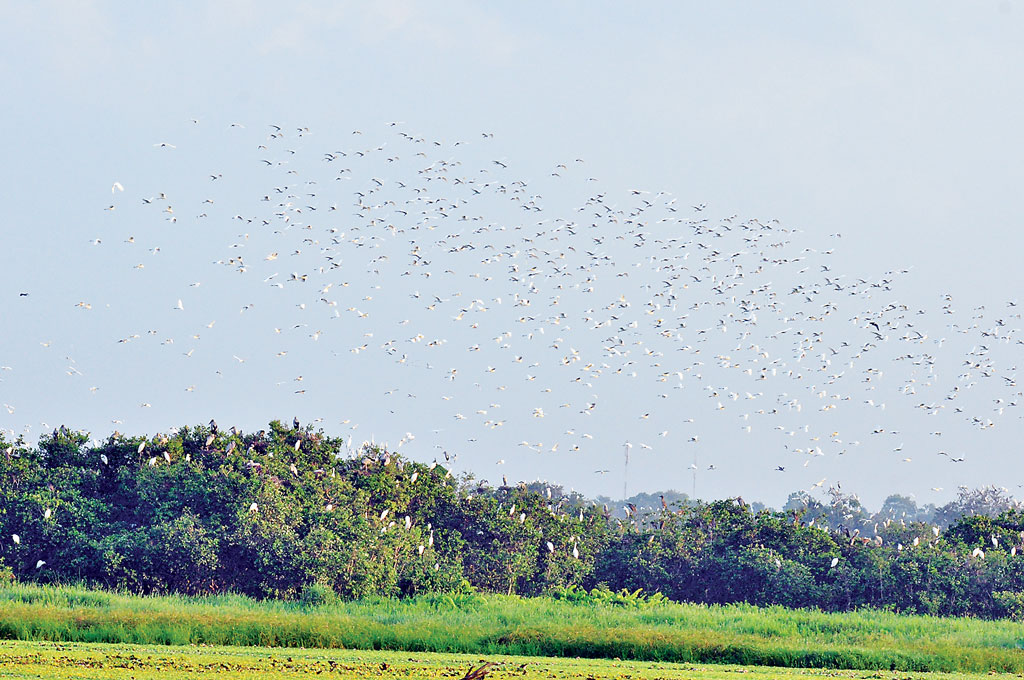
x: 1010, y: 604
x: 602, y: 594
x: 317, y: 595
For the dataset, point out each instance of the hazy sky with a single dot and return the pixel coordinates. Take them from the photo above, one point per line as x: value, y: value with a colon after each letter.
x: 882, y: 138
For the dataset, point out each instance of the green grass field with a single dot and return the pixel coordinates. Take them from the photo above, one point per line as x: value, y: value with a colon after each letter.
x: 487, y: 626
x: 49, y: 660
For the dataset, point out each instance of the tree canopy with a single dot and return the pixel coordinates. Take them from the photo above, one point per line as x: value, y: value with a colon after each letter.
x: 288, y: 508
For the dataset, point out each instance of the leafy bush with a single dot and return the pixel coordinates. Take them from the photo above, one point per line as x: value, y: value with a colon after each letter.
x: 1010, y: 604
x: 603, y: 595
x: 317, y: 595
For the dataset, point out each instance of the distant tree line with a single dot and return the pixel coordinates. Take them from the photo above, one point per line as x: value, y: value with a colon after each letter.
x: 288, y: 509
x: 844, y: 511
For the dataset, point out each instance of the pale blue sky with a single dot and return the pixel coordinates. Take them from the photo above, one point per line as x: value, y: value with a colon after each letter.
x: 895, y: 126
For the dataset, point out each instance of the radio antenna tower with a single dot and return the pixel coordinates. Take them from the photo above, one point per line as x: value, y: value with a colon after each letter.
x: 625, y: 473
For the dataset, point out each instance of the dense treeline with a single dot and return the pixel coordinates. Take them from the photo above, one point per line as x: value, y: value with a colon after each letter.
x: 287, y: 511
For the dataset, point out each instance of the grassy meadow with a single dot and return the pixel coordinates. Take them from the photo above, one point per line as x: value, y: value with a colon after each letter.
x: 487, y: 625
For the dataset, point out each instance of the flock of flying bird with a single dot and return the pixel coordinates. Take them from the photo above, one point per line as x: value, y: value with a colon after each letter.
x: 508, y: 316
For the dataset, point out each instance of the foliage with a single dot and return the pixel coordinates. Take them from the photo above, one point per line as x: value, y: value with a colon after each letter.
x: 6, y: 574
x: 603, y: 595
x: 317, y: 595
x: 291, y: 513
